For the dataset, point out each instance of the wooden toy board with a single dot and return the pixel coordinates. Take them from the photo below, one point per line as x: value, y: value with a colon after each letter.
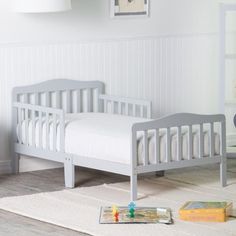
x: 143, y: 215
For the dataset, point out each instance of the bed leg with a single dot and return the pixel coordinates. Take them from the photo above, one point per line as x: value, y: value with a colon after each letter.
x: 133, y: 187
x: 15, y: 163
x: 223, y: 171
x: 69, y: 173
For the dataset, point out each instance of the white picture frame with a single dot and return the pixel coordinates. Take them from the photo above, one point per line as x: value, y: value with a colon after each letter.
x: 115, y: 11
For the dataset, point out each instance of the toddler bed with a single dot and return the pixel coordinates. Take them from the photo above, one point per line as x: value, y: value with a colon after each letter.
x: 75, y: 123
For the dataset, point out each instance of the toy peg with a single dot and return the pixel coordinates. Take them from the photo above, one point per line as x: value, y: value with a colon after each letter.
x: 132, y: 207
x: 115, y: 213
x: 116, y: 216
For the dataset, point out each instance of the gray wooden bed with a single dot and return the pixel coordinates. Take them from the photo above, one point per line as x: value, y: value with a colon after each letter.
x: 47, y: 104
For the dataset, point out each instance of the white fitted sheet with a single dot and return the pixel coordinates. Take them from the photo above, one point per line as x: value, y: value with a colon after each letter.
x: 108, y: 137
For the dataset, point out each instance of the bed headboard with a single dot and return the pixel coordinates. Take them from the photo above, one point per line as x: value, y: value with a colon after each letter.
x: 69, y: 95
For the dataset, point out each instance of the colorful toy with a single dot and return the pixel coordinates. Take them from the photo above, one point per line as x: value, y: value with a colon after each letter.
x: 132, y: 207
x: 115, y: 213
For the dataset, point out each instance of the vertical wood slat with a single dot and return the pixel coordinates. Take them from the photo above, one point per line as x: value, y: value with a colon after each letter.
x: 149, y: 112
x: 126, y: 109
x: 190, y: 142
x: 37, y: 98
x: 62, y: 132
x: 26, y: 98
x: 47, y: 130
x: 134, y: 157
x: 168, y: 148
x: 54, y: 132
x: 33, y: 128
x: 157, y: 146
x: 68, y: 101
x: 134, y: 110
x: 19, y: 112
x: 47, y: 94
x: 212, y: 140
x: 179, y: 143
x: 201, y: 141
x: 119, y: 108
x: 113, y: 107
x: 222, y: 139
x: 26, y: 126
x: 141, y: 112
x: 40, y: 130
x: 105, y: 106
x: 78, y: 100
x: 89, y: 100
x: 145, y: 148
x: 58, y: 99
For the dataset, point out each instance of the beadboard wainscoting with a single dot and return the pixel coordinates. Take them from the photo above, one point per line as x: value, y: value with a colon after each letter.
x: 178, y: 73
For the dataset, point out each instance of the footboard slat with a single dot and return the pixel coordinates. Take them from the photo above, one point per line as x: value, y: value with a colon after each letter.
x: 145, y: 148
x: 40, y: 130
x: 168, y: 145
x: 47, y: 131
x: 27, y: 127
x: 157, y: 145
x: 33, y: 128
x: 190, y: 142
x: 212, y: 140
x: 201, y: 141
x: 54, y: 132
x: 222, y: 138
x: 179, y: 143
x: 19, y: 125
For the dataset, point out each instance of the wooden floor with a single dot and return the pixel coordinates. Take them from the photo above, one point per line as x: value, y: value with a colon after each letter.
x: 37, y: 182
x: 46, y: 181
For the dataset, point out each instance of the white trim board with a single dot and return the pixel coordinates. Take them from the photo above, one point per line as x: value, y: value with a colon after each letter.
x: 107, y: 40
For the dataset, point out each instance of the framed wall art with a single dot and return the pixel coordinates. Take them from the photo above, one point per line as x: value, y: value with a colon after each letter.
x: 130, y: 8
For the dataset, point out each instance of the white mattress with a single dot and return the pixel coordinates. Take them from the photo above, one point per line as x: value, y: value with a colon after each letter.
x: 108, y: 137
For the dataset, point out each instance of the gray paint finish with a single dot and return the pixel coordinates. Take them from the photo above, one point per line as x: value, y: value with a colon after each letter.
x: 94, y: 100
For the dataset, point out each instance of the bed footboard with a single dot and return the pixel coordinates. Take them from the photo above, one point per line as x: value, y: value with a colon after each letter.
x: 175, y: 123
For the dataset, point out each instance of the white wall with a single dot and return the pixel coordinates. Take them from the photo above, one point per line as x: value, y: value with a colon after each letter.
x: 167, y: 58
x: 90, y: 19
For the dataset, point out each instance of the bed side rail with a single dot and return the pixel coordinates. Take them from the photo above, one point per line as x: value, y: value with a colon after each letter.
x: 126, y: 106
x: 45, y: 118
x: 177, y: 122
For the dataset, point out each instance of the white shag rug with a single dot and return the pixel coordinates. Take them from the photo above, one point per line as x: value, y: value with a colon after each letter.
x: 79, y: 208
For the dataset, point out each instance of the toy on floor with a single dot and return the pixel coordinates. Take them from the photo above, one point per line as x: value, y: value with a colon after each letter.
x: 206, y: 211
x: 132, y: 207
x: 134, y: 215
x: 115, y: 213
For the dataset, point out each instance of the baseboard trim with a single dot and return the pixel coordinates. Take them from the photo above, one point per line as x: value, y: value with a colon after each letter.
x: 5, y: 167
